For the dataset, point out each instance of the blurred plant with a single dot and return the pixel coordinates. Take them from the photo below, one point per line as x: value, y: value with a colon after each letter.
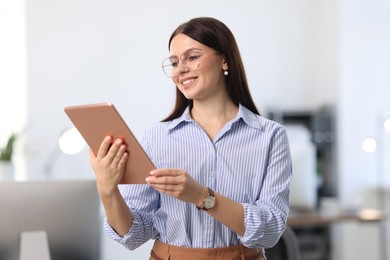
x: 6, y: 152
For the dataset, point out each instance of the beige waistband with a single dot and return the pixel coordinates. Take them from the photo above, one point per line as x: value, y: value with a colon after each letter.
x: 163, y: 251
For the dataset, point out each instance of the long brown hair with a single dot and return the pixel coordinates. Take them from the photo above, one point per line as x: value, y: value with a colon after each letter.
x: 216, y: 35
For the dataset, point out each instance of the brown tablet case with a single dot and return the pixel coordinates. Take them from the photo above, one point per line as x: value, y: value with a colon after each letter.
x: 95, y: 121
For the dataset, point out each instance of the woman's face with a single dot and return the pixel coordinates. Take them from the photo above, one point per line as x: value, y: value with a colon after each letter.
x: 202, y: 76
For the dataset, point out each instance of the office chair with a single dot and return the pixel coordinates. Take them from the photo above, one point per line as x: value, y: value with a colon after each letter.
x: 287, y: 247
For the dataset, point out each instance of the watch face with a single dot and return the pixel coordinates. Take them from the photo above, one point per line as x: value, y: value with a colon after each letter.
x: 209, y: 202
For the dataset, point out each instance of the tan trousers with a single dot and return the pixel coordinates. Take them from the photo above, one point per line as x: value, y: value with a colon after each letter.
x: 162, y: 251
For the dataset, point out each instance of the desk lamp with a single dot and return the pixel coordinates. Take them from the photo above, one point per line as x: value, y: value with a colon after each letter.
x: 69, y: 142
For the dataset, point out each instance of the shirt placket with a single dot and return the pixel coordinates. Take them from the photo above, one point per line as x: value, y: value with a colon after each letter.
x: 211, y: 183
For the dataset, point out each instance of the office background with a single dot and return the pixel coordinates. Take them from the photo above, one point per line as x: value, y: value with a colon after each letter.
x: 299, y: 55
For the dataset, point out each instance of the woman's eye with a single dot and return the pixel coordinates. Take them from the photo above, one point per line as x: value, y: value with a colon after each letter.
x: 193, y: 57
x: 174, y: 63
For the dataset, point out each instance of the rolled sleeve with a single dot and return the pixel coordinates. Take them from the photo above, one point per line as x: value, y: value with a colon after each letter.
x: 262, y: 228
x: 138, y: 234
x: 142, y: 201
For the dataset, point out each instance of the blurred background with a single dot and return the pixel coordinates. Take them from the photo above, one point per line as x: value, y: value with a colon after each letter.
x: 321, y: 67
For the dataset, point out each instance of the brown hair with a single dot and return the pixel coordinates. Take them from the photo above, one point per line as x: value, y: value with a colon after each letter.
x: 216, y: 35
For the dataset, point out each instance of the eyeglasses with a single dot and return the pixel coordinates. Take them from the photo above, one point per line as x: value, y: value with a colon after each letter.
x: 189, y: 59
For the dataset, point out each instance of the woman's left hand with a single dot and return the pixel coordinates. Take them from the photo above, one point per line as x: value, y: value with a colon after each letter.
x: 177, y: 183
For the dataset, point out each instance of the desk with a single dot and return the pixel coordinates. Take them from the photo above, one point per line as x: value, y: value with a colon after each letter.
x: 312, y: 229
x: 303, y: 219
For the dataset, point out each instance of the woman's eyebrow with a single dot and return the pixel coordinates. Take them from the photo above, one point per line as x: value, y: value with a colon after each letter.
x: 188, y: 50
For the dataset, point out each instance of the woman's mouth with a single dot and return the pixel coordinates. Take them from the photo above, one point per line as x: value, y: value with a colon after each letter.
x: 187, y: 81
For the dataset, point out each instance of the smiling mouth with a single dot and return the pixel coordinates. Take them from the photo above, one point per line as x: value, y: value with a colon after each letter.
x: 187, y: 81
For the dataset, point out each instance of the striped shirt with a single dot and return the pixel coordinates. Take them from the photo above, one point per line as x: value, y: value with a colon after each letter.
x: 248, y: 161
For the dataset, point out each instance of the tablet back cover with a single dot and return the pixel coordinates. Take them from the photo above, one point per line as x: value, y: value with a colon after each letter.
x: 95, y: 121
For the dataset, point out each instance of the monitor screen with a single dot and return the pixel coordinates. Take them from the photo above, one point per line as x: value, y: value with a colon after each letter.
x: 68, y: 211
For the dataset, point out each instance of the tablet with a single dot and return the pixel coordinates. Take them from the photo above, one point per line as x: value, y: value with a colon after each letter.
x: 95, y: 121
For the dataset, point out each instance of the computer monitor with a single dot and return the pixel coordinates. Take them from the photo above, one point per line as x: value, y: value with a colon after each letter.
x: 67, y: 210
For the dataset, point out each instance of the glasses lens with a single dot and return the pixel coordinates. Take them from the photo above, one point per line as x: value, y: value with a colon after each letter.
x: 167, y: 67
x: 190, y: 60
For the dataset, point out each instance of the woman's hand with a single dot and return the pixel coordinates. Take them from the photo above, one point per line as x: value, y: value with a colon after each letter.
x: 177, y: 183
x: 109, y: 164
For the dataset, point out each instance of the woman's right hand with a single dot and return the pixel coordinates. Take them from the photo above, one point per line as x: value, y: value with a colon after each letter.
x: 109, y: 164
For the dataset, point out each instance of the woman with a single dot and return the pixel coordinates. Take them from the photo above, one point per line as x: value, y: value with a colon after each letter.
x: 221, y: 187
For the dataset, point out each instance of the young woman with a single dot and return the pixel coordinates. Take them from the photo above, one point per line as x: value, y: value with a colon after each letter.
x: 221, y: 187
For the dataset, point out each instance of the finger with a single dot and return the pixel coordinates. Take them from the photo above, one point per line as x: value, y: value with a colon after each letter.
x: 166, y: 188
x: 165, y: 183
x: 112, y: 152
x: 122, y: 161
x: 165, y: 172
x: 104, y: 146
x: 119, y: 154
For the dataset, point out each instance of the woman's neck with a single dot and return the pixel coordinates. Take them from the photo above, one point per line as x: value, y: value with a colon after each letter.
x: 213, y: 116
x: 202, y: 111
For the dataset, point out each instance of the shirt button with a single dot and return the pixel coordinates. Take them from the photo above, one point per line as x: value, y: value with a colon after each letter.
x: 212, y: 175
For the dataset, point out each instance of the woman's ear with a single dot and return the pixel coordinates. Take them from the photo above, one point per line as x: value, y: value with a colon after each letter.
x: 225, y: 65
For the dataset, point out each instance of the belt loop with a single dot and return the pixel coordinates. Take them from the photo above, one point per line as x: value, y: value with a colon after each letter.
x: 169, y: 251
x: 242, y: 253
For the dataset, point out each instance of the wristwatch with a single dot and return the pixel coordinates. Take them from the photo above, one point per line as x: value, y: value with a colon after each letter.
x: 209, y: 201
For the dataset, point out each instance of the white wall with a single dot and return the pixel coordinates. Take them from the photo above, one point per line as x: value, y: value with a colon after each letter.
x: 363, y: 102
x: 364, y: 89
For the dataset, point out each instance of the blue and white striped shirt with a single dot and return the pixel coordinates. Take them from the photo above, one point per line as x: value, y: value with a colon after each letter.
x: 249, y: 162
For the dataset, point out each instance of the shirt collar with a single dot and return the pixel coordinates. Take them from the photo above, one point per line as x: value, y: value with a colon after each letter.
x: 185, y: 117
x: 250, y: 118
x: 245, y: 114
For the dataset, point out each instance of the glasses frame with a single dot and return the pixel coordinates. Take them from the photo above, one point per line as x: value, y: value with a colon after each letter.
x: 200, y: 54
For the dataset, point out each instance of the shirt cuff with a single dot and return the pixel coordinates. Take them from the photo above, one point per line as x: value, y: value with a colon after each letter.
x: 254, y: 221
x: 134, y: 238
x: 263, y: 227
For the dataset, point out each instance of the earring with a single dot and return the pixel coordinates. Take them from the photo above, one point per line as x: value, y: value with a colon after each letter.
x: 226, y: 73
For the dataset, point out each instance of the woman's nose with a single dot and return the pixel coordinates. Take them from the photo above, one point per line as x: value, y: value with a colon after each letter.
x: 182, y: 67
